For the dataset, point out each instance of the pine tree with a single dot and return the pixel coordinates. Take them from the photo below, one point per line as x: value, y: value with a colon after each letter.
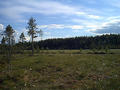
x: 32, y: 26
x: 22, y: 37
x: 9, y: 33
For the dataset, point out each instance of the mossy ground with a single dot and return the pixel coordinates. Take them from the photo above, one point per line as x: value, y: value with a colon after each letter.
x: 62, y: 69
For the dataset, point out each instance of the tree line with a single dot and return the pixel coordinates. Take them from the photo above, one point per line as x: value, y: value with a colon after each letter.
x: 111, y: 41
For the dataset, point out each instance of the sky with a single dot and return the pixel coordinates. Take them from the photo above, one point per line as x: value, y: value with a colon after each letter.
x: 62, y: 18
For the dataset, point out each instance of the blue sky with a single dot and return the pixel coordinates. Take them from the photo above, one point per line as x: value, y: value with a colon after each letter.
x: 62, y: 18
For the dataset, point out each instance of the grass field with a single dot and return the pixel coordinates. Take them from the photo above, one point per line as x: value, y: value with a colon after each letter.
x: 62, y: 69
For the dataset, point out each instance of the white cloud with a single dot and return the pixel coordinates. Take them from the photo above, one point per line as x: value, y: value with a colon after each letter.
x: 89, y: 15
x: 1, y: 26
x: 92, y: 26
x: 75, y: 27
x: 81, y: 13
x: 60, y: 26
x: 85, y: 22
x: 94, y: 16
x: 113, y: 19
x: 52, y: 26
x: 42, y: 26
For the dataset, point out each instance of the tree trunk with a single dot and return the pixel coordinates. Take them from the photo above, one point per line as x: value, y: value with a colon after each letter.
x: 22, y: 46
x: 9, y: 51
x: 9, y: 56
x: 22, y: 40
x: 41, y: 38
x: 32, y: 45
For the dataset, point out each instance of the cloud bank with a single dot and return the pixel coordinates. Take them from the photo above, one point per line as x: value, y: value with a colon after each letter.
x: 112, y: 25
x: 60, y: 26
x: 16, y: 9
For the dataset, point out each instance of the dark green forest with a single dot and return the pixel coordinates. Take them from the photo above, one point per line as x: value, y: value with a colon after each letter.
x: 111, y: 41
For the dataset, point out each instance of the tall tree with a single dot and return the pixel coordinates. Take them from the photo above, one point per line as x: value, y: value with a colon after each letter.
x: 22, y: 37
x: 9, y: 33
x: 32, y: 26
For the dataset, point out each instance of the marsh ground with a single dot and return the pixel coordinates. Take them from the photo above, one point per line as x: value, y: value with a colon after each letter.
x: 62, y: 69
